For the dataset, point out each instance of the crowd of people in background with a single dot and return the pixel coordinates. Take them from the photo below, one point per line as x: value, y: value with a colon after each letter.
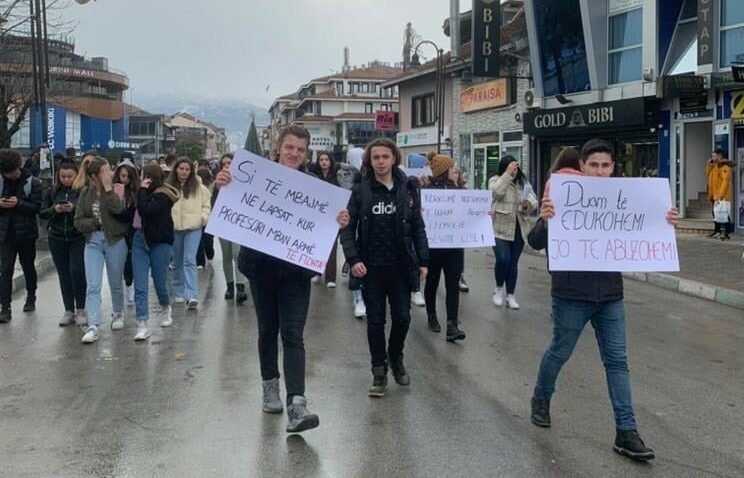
x: 140, y: 221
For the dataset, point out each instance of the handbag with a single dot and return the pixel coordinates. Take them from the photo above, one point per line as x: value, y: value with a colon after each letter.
x: 722, y: 211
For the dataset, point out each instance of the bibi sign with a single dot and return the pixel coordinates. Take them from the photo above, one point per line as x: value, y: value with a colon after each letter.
x: 278, y: 211
x: 486, y: 36
x: 457, y: 218
x: 611, y: 225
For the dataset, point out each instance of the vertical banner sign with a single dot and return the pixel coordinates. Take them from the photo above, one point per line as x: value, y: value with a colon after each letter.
x: 278, y: 211
x: 705, y: 29
x: 457, y: 218
x: 486, y: 37
x: 611, y: 225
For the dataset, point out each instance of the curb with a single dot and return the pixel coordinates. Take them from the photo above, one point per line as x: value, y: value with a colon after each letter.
x: 44, y: 265
x: 701, y: 290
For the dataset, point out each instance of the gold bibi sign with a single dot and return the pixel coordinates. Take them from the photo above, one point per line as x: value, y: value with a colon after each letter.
x: 484, y: 96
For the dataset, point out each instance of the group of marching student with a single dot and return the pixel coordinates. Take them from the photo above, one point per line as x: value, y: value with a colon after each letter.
x: 137, y: 223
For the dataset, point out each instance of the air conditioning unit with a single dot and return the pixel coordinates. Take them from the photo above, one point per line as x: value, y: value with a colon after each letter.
x: 531, y: 101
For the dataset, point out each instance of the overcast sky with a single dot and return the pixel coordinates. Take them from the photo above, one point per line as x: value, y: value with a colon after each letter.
x: 236, y: 48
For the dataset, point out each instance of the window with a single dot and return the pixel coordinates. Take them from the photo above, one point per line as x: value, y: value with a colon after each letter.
x: 624, y: 46
x: 422, y: 111
x: 368, y: 108
x: 732, y: 32
x: 365, y: 87
x: 561, y: 46
x: 384, y: 107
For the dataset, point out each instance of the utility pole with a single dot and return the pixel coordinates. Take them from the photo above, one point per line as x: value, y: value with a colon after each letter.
x: 454, y: 28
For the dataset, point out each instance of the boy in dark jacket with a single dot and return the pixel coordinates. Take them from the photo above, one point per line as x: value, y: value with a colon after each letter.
x: 385, y: 244
x: 596, y: 297
x: 19, y: 205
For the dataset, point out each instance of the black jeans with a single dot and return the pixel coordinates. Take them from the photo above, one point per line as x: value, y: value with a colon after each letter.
x: 205, y: 250
x: 391, y: 283
x: 70, y: 264
x: 452, y: 262
x: 282, y: 301
x: 26, y: 252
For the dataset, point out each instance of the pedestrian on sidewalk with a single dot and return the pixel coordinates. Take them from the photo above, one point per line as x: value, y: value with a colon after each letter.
x: 281, y: 293
x: 126, y: 176
x: 327, y: 170
x: 234, y: 279
x: 20, y: 203
x: 596, y: 297
x: 95, y: 217
x: 190, y: 215
x: 66, y: 244
x: 718, y: 172
x: 452, y: 261
x: 386, y: 245
x: 348, y: 175
x: 205, y: 252
x: 512, y: 202
x: 152, y: 246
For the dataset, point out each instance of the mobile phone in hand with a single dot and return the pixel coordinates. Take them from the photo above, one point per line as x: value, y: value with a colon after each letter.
x: 119, y: 190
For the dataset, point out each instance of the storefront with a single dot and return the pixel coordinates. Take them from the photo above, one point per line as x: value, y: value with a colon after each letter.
x: 630, y: 126
x: 733, y: 110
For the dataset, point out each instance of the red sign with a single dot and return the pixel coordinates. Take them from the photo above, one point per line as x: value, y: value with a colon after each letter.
x: 386, y: 121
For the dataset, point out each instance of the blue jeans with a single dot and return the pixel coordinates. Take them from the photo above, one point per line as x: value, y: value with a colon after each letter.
x: 97, y: 253
x: 608, y: 321
x: 185, y: 245
x: 144, y: 260
x: 507, y: 261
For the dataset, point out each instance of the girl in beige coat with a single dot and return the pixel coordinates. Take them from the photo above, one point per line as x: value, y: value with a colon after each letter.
x: 190, y: 214
x: 512, y: 202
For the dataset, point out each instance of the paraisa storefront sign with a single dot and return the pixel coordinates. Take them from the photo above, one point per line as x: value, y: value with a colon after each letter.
x: 484, y: 96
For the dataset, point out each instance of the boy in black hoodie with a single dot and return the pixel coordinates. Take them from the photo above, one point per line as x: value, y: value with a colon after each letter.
x: 385, y: 244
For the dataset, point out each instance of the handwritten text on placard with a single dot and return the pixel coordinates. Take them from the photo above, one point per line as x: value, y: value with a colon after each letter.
x: 278, y: 211
x: 457, y: 218
x: 611, y: 224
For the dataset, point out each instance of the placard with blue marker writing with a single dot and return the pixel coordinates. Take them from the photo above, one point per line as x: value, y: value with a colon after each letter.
x: 611, y: 225
x: 279, y: 211
x: 457, y: 218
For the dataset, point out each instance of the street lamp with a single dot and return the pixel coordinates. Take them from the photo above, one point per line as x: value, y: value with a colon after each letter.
x: 438, y: 88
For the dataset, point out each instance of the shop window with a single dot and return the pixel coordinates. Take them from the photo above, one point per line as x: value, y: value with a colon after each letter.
x: 732, y: 32
x: 624, y: 46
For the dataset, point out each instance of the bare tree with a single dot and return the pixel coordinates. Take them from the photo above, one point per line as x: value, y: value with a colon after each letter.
x: 17, y: 88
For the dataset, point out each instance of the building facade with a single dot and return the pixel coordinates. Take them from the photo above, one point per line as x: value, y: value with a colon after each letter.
x: 85, y: 99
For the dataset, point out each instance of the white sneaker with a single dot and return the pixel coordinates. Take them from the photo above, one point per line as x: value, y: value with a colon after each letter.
x: 193, y: 304
x: 68, y: 318
x: 91, y: 335
x: 117, y: 321
x: 200, y: 268
x: 331, y: 285
x: 418, y: 299
x: 315, y: 280
x: 81, y: 318
x: 179, y: 300
x: 130, y: 294
x: 511, y: 302
x: 360, y: 309
x: 498, y: 297
x: 142, y: 332
x: 166, y: 317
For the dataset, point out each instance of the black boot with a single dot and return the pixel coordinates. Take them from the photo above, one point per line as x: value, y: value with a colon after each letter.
x: 540, y: 415
x: 453, y: 333
x: 230, y: 293
x: 628, y: 443
x: 434, y: 323
x: 379, y: 381
x: 30, y: 304
x: 399, y: 371
x: 5, y: 315
x: 240, y: 295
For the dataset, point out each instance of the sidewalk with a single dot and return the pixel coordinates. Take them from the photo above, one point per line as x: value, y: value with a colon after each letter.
x: 709, y: 269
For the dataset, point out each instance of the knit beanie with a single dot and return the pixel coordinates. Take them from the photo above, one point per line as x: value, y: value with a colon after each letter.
x: 440, y: 164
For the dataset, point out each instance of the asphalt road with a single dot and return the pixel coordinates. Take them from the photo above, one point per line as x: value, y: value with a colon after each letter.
x: 187, y: 402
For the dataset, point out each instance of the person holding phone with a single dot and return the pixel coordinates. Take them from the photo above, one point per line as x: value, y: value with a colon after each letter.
x: 105, y: 235
x: 19, y: 205
x: 66, y: 244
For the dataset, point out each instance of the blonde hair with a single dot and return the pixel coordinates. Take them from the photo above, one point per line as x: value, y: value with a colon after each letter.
x: 81, y: 180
